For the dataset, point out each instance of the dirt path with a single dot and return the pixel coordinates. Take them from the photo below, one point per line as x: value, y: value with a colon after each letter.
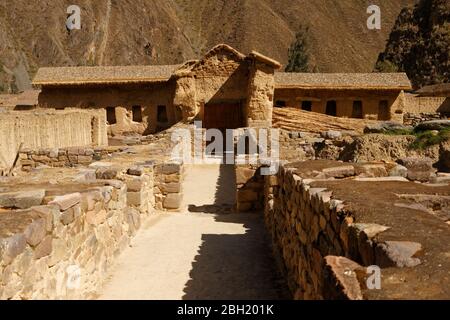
x: 203, y: 253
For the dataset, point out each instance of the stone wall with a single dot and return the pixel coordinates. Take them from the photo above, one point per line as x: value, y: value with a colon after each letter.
x: 63, y: 157
x: 249, y: 188
x: 52, y: 129
x: 168, y: 185
x: 325, y: 244
x: 261, y: 87
x: 63, y: 248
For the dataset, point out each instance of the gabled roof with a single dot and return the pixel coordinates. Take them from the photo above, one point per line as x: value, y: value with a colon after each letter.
x: 437, y: 90
x: 101, y: 75
x: 264, y: 59
x: 387, y: 81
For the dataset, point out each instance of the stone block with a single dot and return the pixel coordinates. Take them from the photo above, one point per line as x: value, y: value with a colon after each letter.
x: 35, y: 232
x: 247, y: 196
x: 398, y: 254
x: 134, y: 198
x: 136, y: 171
x: 171, y: 168
x: 243, y: 175
x: 371, y: 170
x: 398, y: 171
x: 344, y: 271
x: 339, y: 172
x: 172, y: 187
x: 22, y: 199
x: 135, y: 184
x: 66, y: 201
x: 11, y: 247
x: 172, y: 201
x: 44, y: 248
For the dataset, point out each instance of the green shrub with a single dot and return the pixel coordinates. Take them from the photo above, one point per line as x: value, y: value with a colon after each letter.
x: 428, y: 138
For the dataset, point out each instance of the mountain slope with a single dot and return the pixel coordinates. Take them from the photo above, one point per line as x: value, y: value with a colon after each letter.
x: 419, y: 43
x: 121, y: 32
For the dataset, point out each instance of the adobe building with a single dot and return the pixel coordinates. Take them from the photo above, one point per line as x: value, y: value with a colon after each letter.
x: 224, y: 89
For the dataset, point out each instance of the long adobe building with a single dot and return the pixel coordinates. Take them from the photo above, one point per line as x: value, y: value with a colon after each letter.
x: 224, y: 89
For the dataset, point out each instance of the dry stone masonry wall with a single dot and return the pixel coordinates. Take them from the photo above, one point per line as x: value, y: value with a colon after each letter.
x: 60, y: 246
x: 325, y: 246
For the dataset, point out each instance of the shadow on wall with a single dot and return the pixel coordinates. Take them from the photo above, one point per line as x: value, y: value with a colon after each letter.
x: 234, y: 266
x: 444, y: 108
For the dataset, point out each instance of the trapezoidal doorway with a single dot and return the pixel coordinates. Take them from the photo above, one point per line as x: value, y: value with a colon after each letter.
x: 222, y: 116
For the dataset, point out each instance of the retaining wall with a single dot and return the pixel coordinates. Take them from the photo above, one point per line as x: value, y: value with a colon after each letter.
x: 63, y: 249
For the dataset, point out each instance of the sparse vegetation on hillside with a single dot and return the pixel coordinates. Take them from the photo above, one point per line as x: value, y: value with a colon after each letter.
x: 424, y: 139
x: 419, y: 44
x: 180, y: 30
x: 298, y: 59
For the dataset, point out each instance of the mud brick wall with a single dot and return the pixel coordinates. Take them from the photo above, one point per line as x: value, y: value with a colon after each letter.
x: 168, y: 185
x: 63, y: 157
x: 49, y: 129
x: 63, y: 250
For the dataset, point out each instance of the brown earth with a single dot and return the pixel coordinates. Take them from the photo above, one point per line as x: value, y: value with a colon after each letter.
x: 373, y: 202
x: 33, y: 33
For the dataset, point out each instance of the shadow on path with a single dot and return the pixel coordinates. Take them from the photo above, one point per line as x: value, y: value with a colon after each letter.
x: 234, y: 266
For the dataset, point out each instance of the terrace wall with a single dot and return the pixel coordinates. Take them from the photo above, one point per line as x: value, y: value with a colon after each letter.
x: 64, y: 248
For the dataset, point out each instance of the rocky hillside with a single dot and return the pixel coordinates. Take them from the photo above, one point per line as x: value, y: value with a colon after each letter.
x: 33, y: 33
x: 419, y: 43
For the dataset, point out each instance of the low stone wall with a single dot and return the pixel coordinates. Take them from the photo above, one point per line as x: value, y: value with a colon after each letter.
x: 64, y: 248
x: 63, y: 157
x: 168, y: 185
x: 324, y: 247
x: 296, y: 215
x: 249, y: 188
x: 49, y: 129
x: 413, y: 119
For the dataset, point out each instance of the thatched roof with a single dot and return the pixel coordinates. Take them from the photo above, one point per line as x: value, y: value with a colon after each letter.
x: 103, y: 75
x: 437, y: 90
x: 376, y: 81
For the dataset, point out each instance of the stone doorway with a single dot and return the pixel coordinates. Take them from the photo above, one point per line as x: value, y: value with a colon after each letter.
x: 223, y: 116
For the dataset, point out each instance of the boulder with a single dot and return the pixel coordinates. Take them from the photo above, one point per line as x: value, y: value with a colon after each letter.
x: 419, y: 169
x: 398, y: 254
x: 386, y: 126
x: 331, y: 134
x: 399, y: 171
x: 339, y: 172
x: 433, y: 125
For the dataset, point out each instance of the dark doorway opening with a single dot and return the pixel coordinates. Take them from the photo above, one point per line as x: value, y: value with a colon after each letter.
x: 331, y: 108
x: 222, y: 116
x: 383, y: 110
x: 137, y: 113
x: 111, y: 115
x: 280, y: 104
x: 357, y: 111
x: 162, y: 115
x: 307, y: 105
